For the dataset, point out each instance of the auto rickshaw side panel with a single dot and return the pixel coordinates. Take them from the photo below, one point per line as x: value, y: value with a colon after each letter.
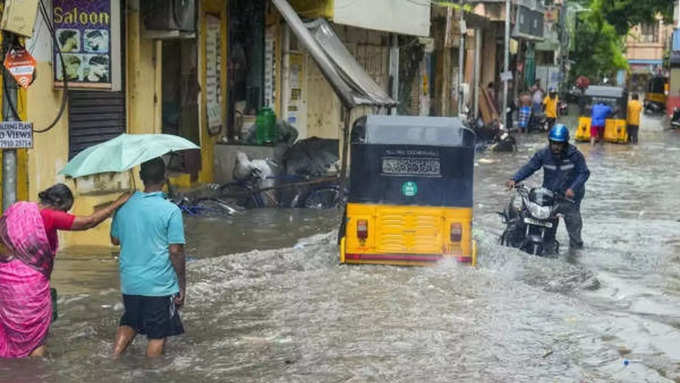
x: 583, y: 130
x: 615, y: 131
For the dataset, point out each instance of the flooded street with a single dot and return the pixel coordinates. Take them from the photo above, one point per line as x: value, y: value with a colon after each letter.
x: 268, y: 302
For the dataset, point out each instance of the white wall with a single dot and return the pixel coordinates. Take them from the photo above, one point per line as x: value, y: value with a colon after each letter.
x: 408, y: 17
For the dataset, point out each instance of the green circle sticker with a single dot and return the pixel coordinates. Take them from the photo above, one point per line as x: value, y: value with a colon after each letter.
x: 409, y: 189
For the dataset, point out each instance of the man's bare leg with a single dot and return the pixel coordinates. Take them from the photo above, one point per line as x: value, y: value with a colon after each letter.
x: 155, y: 348
x: 124, y: 336
x: 592, y: 141
x: 39, y: 352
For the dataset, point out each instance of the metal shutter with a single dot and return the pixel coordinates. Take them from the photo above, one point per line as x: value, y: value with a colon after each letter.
x: 94, y: 117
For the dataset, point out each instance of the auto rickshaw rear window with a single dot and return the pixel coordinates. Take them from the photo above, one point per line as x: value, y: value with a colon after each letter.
x: 408, y: 130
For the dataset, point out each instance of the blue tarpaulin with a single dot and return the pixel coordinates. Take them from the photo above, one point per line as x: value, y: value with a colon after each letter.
x: 676, y: 40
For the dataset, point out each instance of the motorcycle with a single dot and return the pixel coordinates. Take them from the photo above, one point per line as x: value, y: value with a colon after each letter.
x: 531, y: 219
x: 675, y: 118
x: 538, y: 122
x: 563, y: 108
x: 653, y: 108
x: 503, y: 141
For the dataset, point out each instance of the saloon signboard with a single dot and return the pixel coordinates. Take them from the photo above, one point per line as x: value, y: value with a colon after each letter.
x: 83, y: 29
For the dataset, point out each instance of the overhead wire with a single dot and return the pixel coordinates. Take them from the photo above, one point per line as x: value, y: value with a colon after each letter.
x: 64, y: 98
x: 62, y: 109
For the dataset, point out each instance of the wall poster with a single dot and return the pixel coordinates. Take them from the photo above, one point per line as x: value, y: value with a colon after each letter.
x: 270, y: 68
x: 295, y: 101
x: 83, y: 29
x: 213, y: 58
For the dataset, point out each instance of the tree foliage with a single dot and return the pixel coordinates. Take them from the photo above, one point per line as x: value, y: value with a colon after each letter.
x: 624, y: 14
x: 598, y: 47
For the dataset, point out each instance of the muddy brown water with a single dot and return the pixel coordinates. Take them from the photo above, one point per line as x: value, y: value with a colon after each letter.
x: 268, y: 301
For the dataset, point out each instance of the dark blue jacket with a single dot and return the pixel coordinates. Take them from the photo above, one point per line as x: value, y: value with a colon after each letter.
x: 568, y: 171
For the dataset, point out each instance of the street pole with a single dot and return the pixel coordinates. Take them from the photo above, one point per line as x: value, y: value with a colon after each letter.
x: 477, y: 71
x: 506, y: 63
x: 461, y: 61
x: 394, y: 70
x: 9, y: 156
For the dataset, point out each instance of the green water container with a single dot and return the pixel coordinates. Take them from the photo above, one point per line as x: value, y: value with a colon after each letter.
x: 260, y: 126
x: 265, y: 132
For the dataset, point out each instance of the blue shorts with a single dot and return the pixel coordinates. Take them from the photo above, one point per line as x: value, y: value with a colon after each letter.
x: 157, y: 317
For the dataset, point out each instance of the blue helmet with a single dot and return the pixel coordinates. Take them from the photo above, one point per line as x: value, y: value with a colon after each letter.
x: 559, y: 133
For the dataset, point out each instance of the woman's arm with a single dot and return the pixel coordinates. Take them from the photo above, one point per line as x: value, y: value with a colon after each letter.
x: 88, y: 222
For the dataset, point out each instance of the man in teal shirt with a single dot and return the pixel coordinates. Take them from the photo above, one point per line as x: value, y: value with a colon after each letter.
x: 150, y: 232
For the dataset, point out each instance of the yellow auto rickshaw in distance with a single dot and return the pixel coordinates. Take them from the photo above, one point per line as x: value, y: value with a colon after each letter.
x: 615, y: 127
x: 655, y: 95
x: 410, y: 192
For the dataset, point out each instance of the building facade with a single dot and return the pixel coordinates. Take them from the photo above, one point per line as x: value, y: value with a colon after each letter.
x: 646, y: 47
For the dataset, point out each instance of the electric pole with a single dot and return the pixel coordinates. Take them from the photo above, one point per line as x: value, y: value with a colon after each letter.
x: 461, y: 61
x: 9, y: 156
x: 506, y: 64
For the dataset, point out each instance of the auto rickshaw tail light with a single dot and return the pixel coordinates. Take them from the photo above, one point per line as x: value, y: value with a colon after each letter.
x: 362, y: 229
x: 456, y: 232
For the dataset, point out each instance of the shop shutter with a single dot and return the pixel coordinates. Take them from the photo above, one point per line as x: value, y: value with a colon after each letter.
x: 94, y: 117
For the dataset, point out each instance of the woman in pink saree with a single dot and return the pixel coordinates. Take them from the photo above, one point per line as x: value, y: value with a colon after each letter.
x: 28, y: 245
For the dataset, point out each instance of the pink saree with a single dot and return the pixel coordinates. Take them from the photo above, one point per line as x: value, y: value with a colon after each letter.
x: 26, y: 261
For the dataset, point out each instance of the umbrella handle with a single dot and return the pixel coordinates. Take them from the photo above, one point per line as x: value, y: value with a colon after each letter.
x: 132, y: 177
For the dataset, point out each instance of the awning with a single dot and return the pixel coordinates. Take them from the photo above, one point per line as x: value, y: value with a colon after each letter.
x: 347, y: 77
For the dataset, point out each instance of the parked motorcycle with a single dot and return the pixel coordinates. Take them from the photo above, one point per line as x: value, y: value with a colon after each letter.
x: 675, y: 118
x: 503, y: 141
x: 538, y: 122
x: 653, y: 108
x: 531, y: 220
x: 563, y: 108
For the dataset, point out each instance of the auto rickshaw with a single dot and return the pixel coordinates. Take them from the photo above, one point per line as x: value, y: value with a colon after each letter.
x: 410, y: 192
x: 615, y: 127
x: 655, y: 95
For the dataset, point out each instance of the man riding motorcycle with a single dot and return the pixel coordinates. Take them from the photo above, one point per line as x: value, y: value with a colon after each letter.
x: 565, y: 172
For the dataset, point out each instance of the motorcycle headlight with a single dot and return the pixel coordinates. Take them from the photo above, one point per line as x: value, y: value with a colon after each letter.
x: 539, y: 212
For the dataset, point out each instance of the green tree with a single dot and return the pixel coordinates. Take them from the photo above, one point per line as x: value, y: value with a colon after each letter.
x: 598, y: 48
x: 624, y: 14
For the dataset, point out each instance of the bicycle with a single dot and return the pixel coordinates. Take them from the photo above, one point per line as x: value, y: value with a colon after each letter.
x: 206, y: 207
x: 324, y: 192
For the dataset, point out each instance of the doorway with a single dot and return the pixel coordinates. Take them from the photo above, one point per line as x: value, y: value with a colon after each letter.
x: 180, y: 109
x: 246, y: 61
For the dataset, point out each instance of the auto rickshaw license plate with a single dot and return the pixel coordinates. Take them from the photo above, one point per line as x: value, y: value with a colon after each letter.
x: 536, y: 222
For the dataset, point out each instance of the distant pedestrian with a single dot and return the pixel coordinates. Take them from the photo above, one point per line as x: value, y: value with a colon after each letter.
x: 524, y: 114
x: 150, y: 231
x: 633, y: 122
x: 598, y: 120
x: 537, y: 96
x: 550, y: 103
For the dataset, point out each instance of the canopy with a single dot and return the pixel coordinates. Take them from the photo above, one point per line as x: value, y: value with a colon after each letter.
x: 347, y: 77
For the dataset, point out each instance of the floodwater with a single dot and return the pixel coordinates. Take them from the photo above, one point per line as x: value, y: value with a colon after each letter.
x: 268, y: 301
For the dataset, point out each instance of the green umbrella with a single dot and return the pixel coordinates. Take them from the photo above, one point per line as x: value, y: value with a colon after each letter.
x: 123, y: 153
